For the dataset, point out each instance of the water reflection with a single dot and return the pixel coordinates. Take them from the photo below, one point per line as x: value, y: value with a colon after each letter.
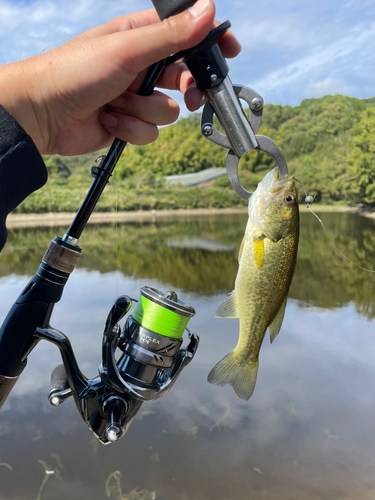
x: 187, y: 253
x: 306, y: 432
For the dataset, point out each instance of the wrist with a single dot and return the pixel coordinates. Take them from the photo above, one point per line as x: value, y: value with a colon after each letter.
x: 21, y: 96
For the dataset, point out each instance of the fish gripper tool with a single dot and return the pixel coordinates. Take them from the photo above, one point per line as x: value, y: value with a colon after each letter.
x: 241, y: 133
x: 210, y: 72
x: 224, y: 100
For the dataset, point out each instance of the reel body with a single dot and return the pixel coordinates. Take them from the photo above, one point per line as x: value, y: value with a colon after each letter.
x: 149, y: 364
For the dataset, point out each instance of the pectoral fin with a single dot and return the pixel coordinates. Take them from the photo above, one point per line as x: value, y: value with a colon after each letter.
x: 228, y: 308
x: 275, y: 326
x: 241, y: 249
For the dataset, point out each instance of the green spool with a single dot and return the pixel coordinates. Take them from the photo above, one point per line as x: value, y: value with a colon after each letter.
x: 162, y: 313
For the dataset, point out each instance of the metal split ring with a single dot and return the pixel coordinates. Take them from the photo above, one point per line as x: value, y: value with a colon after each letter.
x: 266, y: 145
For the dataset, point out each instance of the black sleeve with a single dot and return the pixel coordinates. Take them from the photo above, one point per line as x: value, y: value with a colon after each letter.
x: 22, y: 169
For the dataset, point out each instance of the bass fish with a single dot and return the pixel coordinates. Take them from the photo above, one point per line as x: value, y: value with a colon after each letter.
x: 267, y: 259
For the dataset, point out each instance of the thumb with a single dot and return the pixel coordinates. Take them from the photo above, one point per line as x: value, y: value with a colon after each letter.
x: 139, y: 48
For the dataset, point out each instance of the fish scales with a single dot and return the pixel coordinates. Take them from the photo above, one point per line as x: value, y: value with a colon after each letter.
x: 265, y: 301
x: 266, y: 265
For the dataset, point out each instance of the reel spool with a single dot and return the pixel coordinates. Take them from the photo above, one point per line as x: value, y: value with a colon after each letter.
x: 151, y: 342
x: 161, y: 313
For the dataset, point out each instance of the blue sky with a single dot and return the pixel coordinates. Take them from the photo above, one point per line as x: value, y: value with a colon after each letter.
x: 291, y: 50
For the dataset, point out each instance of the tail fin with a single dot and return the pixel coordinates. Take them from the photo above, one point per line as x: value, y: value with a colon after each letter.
x: 240, y: 373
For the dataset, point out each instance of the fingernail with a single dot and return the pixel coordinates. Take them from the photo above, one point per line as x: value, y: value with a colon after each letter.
x: 108, y: 120
x: 199, y: 8
x: 203, y: 100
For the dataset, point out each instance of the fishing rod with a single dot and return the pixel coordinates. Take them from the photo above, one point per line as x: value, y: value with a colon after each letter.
x: 151, y: 355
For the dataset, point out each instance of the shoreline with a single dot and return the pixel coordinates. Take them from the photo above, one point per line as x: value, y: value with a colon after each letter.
x: 54, y: 219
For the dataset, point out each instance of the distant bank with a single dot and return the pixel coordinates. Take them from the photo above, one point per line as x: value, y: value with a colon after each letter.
x: 65, y: 218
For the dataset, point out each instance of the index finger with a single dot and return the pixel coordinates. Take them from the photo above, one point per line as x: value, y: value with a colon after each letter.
x: 228, y: 43
x: 177, y: 76
x: 124, y: 23
x: 137, y: 49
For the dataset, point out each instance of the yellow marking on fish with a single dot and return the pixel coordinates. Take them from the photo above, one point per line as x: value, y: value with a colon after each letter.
x: 288, y: 212
x: 259, y: 252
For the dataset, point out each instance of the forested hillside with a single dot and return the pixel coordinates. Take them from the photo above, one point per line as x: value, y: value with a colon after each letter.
x: 329, y: 144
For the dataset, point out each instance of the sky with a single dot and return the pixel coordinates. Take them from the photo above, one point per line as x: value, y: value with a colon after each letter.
x: 292, y: 49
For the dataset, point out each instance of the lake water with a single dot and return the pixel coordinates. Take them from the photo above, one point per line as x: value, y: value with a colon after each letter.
x: 307, y: 433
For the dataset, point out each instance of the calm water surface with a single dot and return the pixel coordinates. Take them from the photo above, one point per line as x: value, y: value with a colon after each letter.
x: 308, y: 432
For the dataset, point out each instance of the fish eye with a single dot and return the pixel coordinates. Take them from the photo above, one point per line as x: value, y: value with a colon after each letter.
x: 289, y: 199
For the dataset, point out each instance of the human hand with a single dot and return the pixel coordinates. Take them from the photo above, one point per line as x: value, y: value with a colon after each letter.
x: 78, y: 97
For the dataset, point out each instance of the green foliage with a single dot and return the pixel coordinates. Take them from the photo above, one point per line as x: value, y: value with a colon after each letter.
x: 316, y: 144
x: 362, y: 156
x: 180, y: 149
x: 328, y: 143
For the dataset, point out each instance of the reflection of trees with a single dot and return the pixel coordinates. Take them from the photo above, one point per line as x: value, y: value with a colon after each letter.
x: 24, y: 250
x: 142, y: 251
x: 323, y: 278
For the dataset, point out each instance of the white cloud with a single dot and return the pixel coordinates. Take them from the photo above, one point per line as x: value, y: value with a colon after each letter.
x: 269, y: 33
x: 330, y: 86
x: 29, y: 28
x: 328, y: 60
x: 286, y: 48
x: 354, y: 3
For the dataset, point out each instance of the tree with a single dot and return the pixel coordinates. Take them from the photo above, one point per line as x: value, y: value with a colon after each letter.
x: 362, y: 156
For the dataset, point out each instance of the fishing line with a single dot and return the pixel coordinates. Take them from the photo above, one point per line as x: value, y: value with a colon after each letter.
x: 161, y: 314
x: 159, y: 319
x: 309, y: 200
x: 116, y: 237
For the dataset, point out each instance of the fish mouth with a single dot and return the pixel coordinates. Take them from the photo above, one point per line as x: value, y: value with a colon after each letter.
x: 280, y: 185
x: 267, y: 205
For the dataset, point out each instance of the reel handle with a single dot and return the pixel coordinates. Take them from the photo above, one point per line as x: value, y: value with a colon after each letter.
x: 6, y: 385
x: 60, y: 389
x: 59, y: 379
x: 167, y: 8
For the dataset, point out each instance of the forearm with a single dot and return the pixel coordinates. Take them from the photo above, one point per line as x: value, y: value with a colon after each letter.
x: 22, y: 169
x: 22, y: 93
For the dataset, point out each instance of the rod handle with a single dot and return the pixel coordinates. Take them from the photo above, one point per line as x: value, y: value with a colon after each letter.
x: 167, y: 8
x: 6, y: 385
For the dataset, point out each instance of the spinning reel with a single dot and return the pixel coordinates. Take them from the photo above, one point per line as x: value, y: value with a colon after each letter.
x: 150, y: 347
x: 151, y: 361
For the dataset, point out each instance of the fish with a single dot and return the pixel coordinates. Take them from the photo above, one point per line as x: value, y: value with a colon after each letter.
x: 267, y: 259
